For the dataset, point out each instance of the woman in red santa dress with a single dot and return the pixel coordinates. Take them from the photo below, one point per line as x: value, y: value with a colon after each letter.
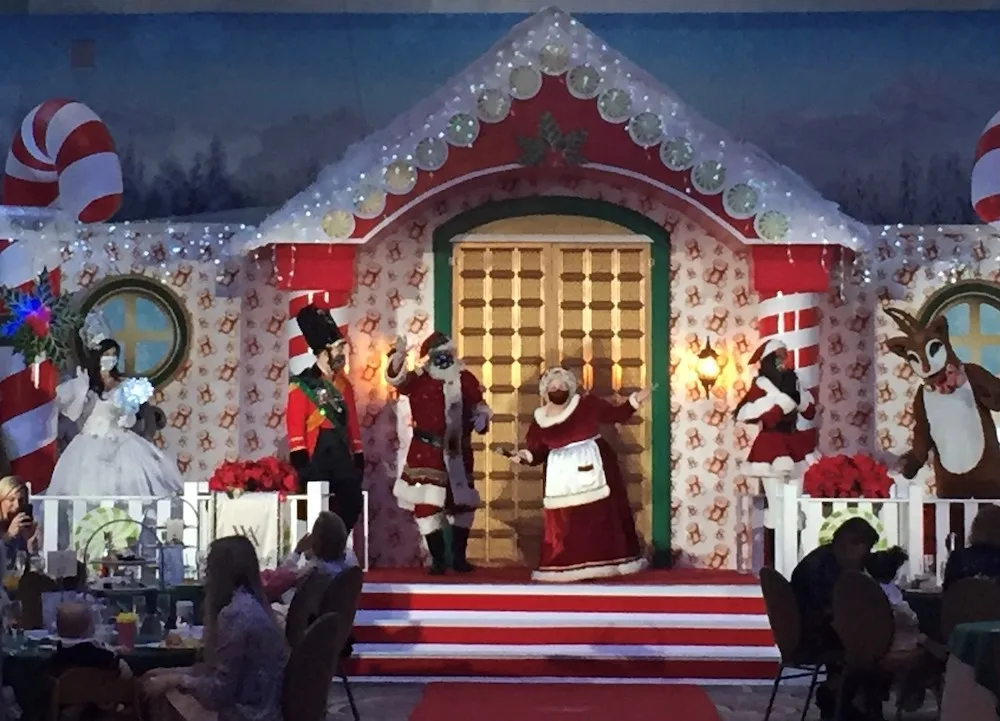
x: 589, y: 531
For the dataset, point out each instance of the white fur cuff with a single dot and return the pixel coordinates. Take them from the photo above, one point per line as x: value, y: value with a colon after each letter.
x: 805, y: 400
x: 633, y: 400
x: 529, y: 457
x: 399, y: 376
x: 785, y: 403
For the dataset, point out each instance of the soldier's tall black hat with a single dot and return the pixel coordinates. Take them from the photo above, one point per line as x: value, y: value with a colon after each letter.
x: 318, y: 327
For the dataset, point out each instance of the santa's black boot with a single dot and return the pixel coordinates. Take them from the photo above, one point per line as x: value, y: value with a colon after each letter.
x: 459, y: 544
x: 436, y: 546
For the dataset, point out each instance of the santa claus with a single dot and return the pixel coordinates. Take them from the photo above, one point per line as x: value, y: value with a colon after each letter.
x: 446, y: 403
x: 589, y: 531
x: 786, y: 443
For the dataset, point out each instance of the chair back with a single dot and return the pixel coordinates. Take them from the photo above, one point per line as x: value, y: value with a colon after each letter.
x: 863, y: 619
x: 782, y: 612
x: 343, y: 594
x: 968, y: 601
x: 29, y: 592
x: 305, y: 606
x: 311, y: 668
x: 84, y: 686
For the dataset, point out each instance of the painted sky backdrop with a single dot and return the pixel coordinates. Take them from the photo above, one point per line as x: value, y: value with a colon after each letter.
x: 880, y: 112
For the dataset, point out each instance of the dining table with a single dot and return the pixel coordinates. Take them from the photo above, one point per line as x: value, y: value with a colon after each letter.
x: 972, y: 679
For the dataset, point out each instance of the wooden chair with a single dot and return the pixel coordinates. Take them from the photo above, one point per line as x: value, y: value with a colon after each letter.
x: 311, y: 668
x: 968, y: 601
x: 863, y: 619
x: 86, y: 686
x: 305, y: 606
x: 29, y: 593
x: 341, y: 597
x: 786, y: 627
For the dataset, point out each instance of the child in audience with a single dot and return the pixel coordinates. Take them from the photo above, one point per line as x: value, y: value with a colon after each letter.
x: 883, y: 566
x: 325, y: 550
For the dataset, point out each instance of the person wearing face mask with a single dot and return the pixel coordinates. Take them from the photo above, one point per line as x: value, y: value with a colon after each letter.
x: 589, y: 531
x: 116, y: 460
x: 324, y: 437
x: 446, y: 403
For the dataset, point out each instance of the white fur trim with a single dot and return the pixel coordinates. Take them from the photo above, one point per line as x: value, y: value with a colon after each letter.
x: 606, y: 570
x: 805, y: 399
x: 481, y: 417
x: 530, y: 456
x: 463, y: 519
x: 546, y: 421
x: 428, y: 525
x: 577, y: 499
x: 418, y: 494
x: 554, y: 374
x: 443, y: 348
x: 398, y: 378
x: 633, y: 400
x: 773, y: 345
x: 782, y: 467
x: 753, y: 410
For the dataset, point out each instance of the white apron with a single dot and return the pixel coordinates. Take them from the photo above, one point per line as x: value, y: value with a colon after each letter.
x: 574, y: 475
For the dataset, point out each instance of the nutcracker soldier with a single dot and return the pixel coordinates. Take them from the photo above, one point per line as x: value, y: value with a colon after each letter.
x: 446, y: 402
x: 324, y: 438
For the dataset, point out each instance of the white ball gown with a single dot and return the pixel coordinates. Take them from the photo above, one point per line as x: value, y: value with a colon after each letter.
x: 106, y: 458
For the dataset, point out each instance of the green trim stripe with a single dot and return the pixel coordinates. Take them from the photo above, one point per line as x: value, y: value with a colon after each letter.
x: 659, y: 361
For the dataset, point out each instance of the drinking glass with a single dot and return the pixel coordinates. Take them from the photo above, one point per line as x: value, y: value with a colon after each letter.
x: 12, y: 621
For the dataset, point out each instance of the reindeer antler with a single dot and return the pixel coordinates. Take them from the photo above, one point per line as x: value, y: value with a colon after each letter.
x: 906, y: 322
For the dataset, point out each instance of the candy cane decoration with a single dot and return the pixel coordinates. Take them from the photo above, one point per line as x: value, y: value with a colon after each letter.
x: 986, y: 174
x: 300, y: 356
x: 63, y: 157
x: 793, y: 318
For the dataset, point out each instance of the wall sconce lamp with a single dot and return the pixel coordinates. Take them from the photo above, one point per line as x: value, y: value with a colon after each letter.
x: 708, y: 367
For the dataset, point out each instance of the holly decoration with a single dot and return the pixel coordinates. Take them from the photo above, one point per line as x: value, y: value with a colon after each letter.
x: 38, y: 323
x: 551, y: 146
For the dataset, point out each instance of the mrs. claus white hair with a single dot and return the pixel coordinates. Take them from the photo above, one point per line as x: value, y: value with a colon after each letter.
x: 556, y: 374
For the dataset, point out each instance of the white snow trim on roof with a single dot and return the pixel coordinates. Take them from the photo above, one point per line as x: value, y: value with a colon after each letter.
x: 810, y: 218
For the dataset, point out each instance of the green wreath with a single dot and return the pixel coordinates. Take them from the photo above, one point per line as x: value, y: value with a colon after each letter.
x: 38, y: 323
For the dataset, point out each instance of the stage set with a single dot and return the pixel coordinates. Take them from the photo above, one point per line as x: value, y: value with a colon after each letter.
x: 552, y: 206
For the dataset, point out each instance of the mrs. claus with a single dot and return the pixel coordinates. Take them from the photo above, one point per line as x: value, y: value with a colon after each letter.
x: 589, y: 531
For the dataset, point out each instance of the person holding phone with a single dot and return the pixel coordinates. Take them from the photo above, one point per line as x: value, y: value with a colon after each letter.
x: 17, y: 524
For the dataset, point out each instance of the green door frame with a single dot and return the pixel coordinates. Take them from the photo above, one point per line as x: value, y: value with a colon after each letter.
x: 659, y: 360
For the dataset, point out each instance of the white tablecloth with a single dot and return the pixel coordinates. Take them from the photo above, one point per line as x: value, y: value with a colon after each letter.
x: 964, y: 699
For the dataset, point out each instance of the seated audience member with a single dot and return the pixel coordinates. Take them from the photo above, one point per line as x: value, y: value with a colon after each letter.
x: 245, y: 651
x: 981, y: 558
x: 883, y: 566
x: 18, y: 529
x: 77, y: 648
x: 813, y: 581
x: 325, y: 549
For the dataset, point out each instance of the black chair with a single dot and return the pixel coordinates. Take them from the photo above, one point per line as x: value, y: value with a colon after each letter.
x: 341, y: 597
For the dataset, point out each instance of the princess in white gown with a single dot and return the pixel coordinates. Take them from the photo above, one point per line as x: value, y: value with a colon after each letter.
x: 106, y: 457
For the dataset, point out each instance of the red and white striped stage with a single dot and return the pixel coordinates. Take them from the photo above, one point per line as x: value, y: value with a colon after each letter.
x: 677, y: 624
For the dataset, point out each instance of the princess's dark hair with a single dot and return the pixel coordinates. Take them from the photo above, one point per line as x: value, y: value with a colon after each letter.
x: 94, y: 365
x: 883, y: 566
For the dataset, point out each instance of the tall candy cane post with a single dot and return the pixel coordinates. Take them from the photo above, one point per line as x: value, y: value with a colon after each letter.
x: 62, y: 157
x: 986, y: 174
x: 300, y: 356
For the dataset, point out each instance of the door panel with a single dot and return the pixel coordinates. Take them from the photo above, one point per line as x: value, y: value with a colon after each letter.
x: 519, y: 308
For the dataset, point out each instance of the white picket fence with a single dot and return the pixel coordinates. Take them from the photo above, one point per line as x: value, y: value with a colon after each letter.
x: 195, y: 510
x: 803, y: 522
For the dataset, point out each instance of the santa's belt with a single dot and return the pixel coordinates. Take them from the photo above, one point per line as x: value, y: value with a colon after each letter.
x: 429, y: 438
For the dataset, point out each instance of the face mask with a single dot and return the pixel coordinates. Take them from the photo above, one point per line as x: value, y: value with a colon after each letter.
x: 337, y: 361
x: 108, y: 362
x: 558, y: 397
x: 443, y: 360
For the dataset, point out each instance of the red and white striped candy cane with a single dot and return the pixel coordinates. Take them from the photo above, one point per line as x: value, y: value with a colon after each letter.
x: 63, y: 157
x: 986, y: 174
x: 300, y: 356
x: 793, y: 318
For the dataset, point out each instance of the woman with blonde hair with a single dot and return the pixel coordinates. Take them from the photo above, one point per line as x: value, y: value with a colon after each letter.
x: 981, y: 558
x: 17, y: 526
x: 245, y: 650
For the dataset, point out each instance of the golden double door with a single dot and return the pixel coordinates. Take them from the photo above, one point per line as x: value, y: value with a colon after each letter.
x: 520, y: 308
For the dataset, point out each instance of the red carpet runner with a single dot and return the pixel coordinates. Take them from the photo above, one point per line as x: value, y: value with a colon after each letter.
x: 572, y: 702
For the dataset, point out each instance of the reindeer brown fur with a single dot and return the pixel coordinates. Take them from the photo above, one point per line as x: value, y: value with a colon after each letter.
x: 953, y: 411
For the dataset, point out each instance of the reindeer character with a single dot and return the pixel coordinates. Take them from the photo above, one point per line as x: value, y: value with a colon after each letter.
x: 953, y: 411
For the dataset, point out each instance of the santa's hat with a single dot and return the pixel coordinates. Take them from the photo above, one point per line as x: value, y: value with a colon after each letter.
x: 436, y: 341
x: 772, y: 345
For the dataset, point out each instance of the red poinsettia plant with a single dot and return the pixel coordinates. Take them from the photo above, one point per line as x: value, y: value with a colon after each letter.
x: 268, y: 474
x: 843, y: 476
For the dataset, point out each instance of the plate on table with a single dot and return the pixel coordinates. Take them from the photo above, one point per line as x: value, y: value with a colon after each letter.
x: 36, y: 634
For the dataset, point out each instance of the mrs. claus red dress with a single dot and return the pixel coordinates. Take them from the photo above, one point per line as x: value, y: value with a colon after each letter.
x: 589, y: 531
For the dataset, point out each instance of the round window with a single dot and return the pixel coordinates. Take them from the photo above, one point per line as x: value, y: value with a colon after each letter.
x: 148, y: 321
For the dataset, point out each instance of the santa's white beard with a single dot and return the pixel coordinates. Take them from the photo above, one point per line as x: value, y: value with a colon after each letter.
x: 451, y: 373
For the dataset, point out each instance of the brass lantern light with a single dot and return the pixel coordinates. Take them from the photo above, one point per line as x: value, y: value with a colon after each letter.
x: 708, y: 367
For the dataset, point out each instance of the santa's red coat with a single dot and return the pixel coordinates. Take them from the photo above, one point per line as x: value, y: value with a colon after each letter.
x: 426, y: 480
x: 778, y: 452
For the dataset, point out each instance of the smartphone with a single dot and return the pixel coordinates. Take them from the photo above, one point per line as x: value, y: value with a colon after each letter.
x: 29, y: 511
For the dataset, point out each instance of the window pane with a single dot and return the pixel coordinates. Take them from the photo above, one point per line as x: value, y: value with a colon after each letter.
x: 114, y: 312
x: 989, y: 319
x: 964, y: 353
x: 149, y: 354
x: 150, y: 316
x: 958, y: 319
x: 990, y: 358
